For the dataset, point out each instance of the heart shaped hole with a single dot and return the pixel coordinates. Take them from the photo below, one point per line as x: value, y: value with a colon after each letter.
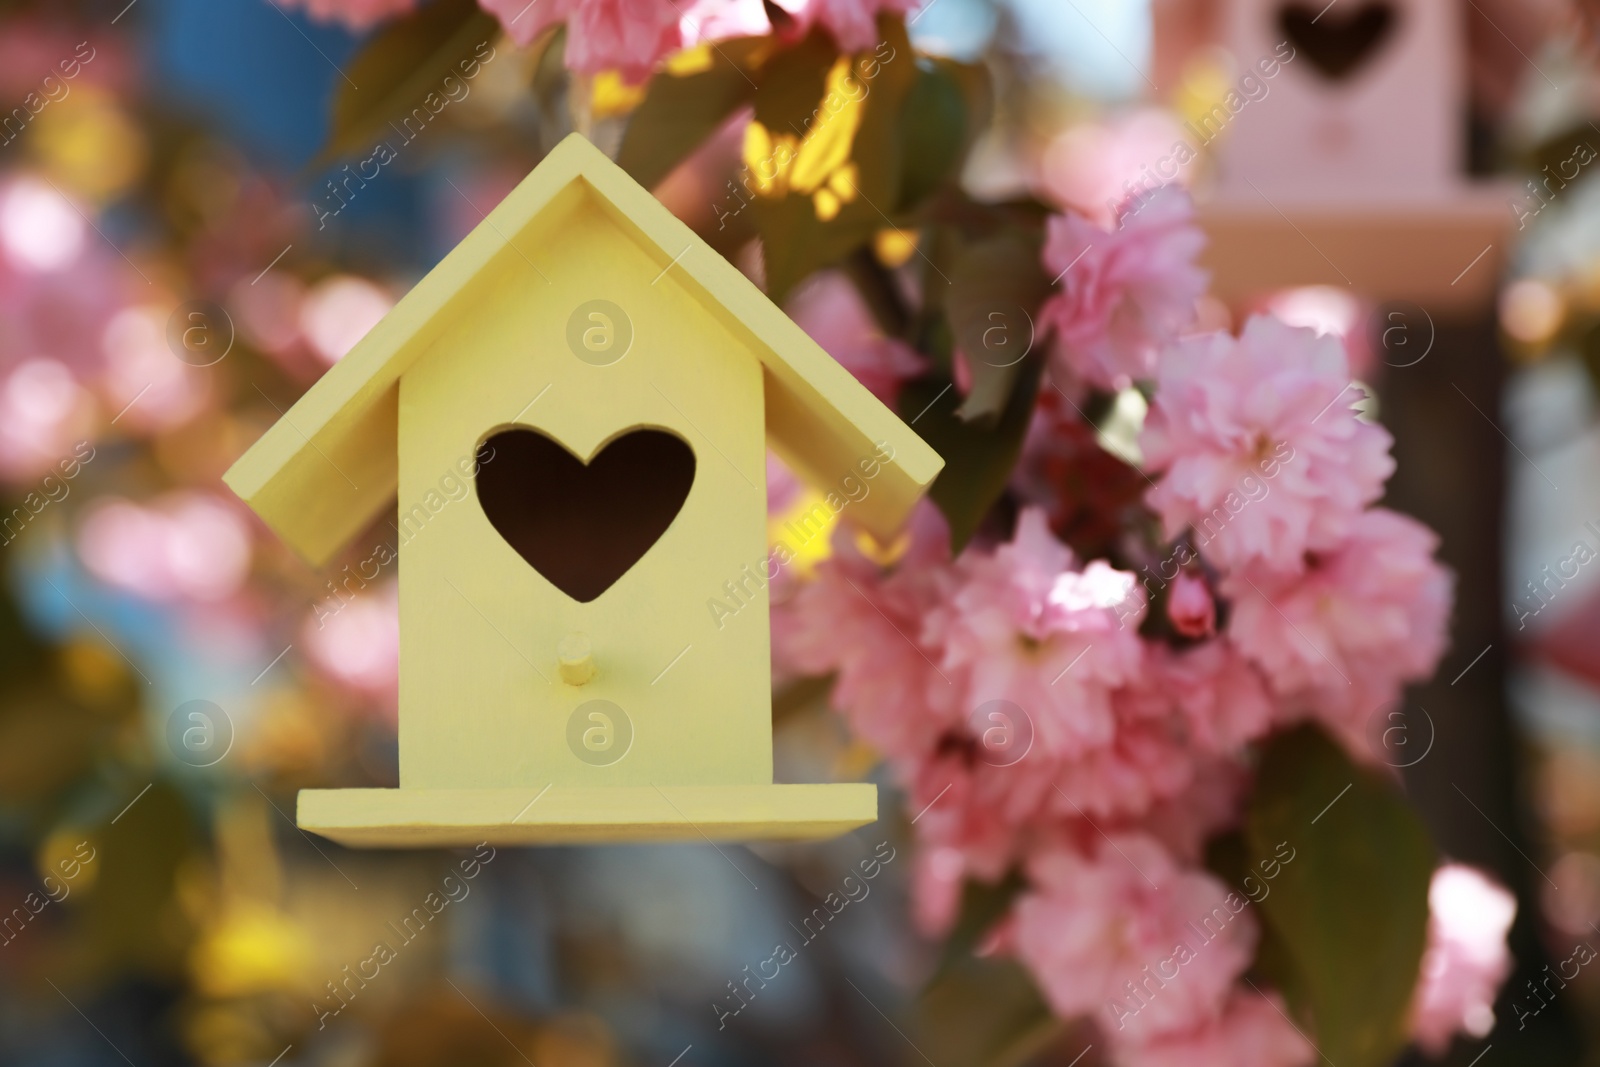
x: 1338, y: 43
x: 583, y: 525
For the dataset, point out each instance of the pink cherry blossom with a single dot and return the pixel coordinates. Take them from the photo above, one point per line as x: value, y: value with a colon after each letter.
x: 973, y: 816
x: 62, y: 315
x: 356, y: 15
x: 989, y: 804
x: 1254, y: 1030
x: 43, y: 413
x: 865, y: 626
x: 938, y: 873
x: 185, y: 546
x: 829, y: 308
x: 718, y: 20
x: 1095, y: 167
x: 1026, y: 625
x: 633, y: 36
x: 1334, y: 310
x: 1124, y: 292
x: 1146, y: 761
x: 1263, y: 455
x: 266, y: 309
x: 144, y: 384
x: 358, y: 644
x: 630, y: 36
x: 1212, y: 804
x: 40, y: 230
x: 1357, y: 624
x: 1189, y: 606
x: 853, y: 23
x: 1466, y: 959
x: 338, y: 312
x: 1122, y: 932
x: 1223, y: 699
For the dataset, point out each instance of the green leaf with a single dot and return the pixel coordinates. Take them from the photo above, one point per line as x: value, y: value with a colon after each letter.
x: 680, y: 112
x: 982, y: 1013
x: 1588, y: 345
x: 550, y: 87
x: 132, y: 919
x: 1346, y: 918
x: 795, y: 241
x: 982, y: 905
x: 792, y: 85
x: 978, y: 459
x: 996, y: 287
x: 399, y: 67
x: 933, y: 132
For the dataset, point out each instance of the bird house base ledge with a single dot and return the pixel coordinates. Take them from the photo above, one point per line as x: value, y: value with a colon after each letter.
x: 557, y: 814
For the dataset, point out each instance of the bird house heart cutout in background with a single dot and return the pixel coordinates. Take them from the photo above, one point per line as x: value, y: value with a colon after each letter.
x: 1338, y: 44
x: 583, y: 525
x: 1355, y: 104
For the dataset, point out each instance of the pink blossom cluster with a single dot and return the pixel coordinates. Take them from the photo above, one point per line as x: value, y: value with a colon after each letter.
x: 1035, y: 728
x: 1466, y: 959
x: 1268, y: 476
x: 77, y: 348
x: 1124, y: 290
x: 90, y: 356
x: 633, y: 36
x: 1088, y: 722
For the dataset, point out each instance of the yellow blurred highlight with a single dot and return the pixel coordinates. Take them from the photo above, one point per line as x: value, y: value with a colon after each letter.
x: 1531, y: 311
x: 251, y: 948
x: 894, y: 247
x: 226, y: 1033
x: 93, y: 673
x: 884, y: 555
x: 768, y: 158
x: 843, y: 181
x: 815, y: 548
x: 1206, y: 79
x: 89, y: 144
x: 287, y: 737
x: 827, y: 144
x: 1584, y: 290
x: 575, y: 1041
x: 611, y: 96
x: 827, y: 205
x: 696, y: 60
x: 856, y: 761
x: 1568, y: 792
x: 817, y: 165
x: 64, y: 859
x: 247, y: 944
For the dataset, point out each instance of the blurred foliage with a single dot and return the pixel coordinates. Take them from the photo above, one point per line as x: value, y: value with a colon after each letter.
x: 1346, y: 918
x: 978, y: 459
x: 398, y: 68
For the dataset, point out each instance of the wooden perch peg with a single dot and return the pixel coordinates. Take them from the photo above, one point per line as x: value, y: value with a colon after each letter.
x: 577, y: 658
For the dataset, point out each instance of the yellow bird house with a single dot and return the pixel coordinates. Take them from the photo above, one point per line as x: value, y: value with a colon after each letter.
x: 573, y: 410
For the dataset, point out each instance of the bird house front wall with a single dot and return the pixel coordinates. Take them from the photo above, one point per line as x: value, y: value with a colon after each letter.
x: 1369, y: 109
x: 483, y: 700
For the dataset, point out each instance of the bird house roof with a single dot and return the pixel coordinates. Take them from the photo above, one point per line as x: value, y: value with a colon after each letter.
x: 325, y: 469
